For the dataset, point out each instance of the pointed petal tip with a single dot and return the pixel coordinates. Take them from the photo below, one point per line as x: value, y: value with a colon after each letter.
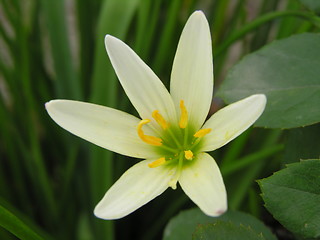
x: 101, y: 212
x: 109, y: 37
x: 261, y: 98
x: 98, y: 213
x: 47, y: 105
x: 217, y: 211
x: 221, y: 211
x: 51, y: 103
x: 199, y: 13
x: 110, y: 42
x: 102, y: 215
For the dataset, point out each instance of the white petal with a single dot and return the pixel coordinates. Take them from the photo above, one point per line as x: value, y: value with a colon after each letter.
x: 203, y: 183
x: 192, y: 71
x: 232, y: 120
x: 103, y: 126
x: 136, y: 187
x: 144, y: 89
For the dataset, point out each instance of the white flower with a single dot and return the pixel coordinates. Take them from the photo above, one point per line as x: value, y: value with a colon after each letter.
x: 172, y: 135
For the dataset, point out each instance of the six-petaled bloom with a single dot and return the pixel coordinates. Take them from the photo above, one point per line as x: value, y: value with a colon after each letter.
x: 172, y: 135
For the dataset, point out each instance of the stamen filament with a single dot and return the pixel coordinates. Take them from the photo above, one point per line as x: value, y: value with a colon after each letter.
x: 184, y: 115
x: 174, y: 138
x: 146, y: 138
x: 195, y: 143
x: 163, y: 123
x: 173, y: 150
x: 202, y: 132
x: 160, y: 120
x: 185, y: 136
x: 157, y: 162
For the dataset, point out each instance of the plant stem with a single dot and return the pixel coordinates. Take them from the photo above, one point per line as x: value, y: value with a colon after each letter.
x: 260, y: 21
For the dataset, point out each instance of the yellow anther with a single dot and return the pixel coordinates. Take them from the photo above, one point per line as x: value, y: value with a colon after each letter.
x: 157, y: 162
x: 202, y: 132
x: 184, y: 115
x: 188, y: 154
x: 146, y: 138
x: 160, y: 120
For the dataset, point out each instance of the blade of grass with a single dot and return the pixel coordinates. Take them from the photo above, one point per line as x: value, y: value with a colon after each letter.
x: 164, y: 217
x: 258, y: 22
x: 167, y: 35
x: 236, y: 18
x: 16, y: 226
x: 66, y: 83
x: 250, y: 159
x: 86, y: 14
x: 27, y: 111
x: 287, y: 25
x: 235, y: 148
x: 39, y: 172
x: 262, y: 33
x: 146, y: 27
x: 250, y: 174
x: 220, y: 14
x: 4, y: 234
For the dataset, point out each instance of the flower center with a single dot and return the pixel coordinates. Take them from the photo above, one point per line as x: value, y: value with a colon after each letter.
x: 177, y: 145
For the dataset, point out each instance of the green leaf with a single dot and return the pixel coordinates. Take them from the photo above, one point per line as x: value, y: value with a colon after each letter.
x: 313, y: 5
x: 184, y: 224
x: 225, y: 231
x: 301, y: 143
x: 287, y: 71
x: 292, y: 195
x: 14, y: 225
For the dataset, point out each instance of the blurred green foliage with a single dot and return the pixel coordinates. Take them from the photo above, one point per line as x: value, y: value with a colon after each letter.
x: 50, y: 181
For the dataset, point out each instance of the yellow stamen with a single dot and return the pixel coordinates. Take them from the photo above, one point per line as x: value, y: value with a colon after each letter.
x: 146, y: 138
x: 160, y: 120
x: 188, y: 154
x: 202, y: 132
x: 184, y: 115
x: 157, y: 162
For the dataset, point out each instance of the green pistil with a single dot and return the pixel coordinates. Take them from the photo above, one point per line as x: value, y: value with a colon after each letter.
x: 175, y: 143
x: 181, y: 157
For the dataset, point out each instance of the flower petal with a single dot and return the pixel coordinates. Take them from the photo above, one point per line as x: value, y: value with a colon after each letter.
x: 144, y: 89
x: 201, y: 180
x: 192, y: 71
x: 103, y: 126
x: 136, y: 187
x: 232, y: 120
